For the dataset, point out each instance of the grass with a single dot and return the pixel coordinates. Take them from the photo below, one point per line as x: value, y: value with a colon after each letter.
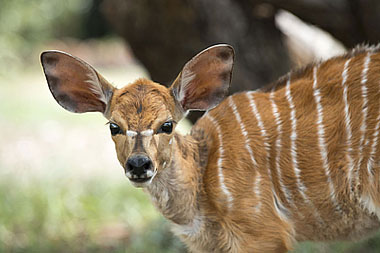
x: 94, y: 215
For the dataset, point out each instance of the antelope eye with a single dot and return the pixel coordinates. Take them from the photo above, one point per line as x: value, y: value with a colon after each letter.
x: 166, y: 128
x: 115, y: 129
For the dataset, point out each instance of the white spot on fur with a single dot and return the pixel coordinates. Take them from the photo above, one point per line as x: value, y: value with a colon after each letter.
x: 149, y: 173
x: 370, y: 205
x: 321, y: 139
x: 131, y: 133
x: 220, y: 162
x: 148, y: 132
x: 256, y: 190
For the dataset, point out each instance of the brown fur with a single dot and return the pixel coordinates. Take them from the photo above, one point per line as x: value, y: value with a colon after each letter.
x: 188, y: 190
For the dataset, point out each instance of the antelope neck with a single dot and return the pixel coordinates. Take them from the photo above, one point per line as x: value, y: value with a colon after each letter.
x: 176, y: 188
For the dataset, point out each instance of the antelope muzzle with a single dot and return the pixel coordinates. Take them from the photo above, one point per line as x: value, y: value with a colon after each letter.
x: 139, y: 168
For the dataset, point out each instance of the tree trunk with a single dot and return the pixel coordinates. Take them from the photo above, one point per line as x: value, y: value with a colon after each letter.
x: 165, y: 34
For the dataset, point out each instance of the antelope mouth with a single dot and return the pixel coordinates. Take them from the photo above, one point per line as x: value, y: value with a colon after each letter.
x: 141, y: 179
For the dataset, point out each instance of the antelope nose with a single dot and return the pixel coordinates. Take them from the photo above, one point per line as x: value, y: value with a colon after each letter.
x: 138, y: 164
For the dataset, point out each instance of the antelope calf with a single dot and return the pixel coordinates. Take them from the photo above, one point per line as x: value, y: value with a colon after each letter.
x: 260, y: 170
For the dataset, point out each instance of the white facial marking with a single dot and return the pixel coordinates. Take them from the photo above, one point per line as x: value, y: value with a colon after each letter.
x: 149, y: 173
x: 148, y: 132
x: 131, y: 133
x: 171, y: 141
x: 164, y: 164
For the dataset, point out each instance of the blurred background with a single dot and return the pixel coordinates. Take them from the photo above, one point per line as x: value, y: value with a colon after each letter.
x: 61, y: 187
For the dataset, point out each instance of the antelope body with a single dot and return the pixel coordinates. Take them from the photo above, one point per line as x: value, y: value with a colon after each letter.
x: 298, y: 161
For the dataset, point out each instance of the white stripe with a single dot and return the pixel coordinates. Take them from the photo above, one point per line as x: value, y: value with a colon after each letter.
x: 259, y: 120
x: 293, y: 151
x: 220, y: 162
x: 321, y: 139
x: 131, y: 133
x: 293, y: 138
x: 256, y: 190
x: 375, y: 137
x: 148, y: 132
x: 247, y: 141
x: 363, y: 126
x: 347, y: 118
x: 242, y: 127
x: 281, y: 210
x: 278, y: 146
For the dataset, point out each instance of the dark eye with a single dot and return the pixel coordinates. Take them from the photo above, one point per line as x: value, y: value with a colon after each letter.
x: 115, y: 129
x: 166, y: 128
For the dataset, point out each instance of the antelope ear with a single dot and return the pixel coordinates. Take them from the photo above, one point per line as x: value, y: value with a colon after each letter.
x: 205, y: 79
x: 75, y: 85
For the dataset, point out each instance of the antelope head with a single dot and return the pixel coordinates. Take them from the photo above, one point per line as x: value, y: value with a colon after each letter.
x: 142, y: 115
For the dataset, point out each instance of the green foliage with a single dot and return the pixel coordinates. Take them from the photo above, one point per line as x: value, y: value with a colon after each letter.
x: 80, y: 216
x: 25, y: 24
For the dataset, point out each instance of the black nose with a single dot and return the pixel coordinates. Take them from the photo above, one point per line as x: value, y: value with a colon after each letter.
x: 138, y: 164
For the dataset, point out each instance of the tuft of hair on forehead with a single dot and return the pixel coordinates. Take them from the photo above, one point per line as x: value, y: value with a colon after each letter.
x: 140, y: 90
x: 141, y: 101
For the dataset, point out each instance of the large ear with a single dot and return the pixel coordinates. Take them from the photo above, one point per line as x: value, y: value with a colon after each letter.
x: 75, y: 85
x: 205, y: 79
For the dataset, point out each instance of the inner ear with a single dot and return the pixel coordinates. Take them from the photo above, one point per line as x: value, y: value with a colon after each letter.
x: 205, y: 79
x: 74, y: 84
